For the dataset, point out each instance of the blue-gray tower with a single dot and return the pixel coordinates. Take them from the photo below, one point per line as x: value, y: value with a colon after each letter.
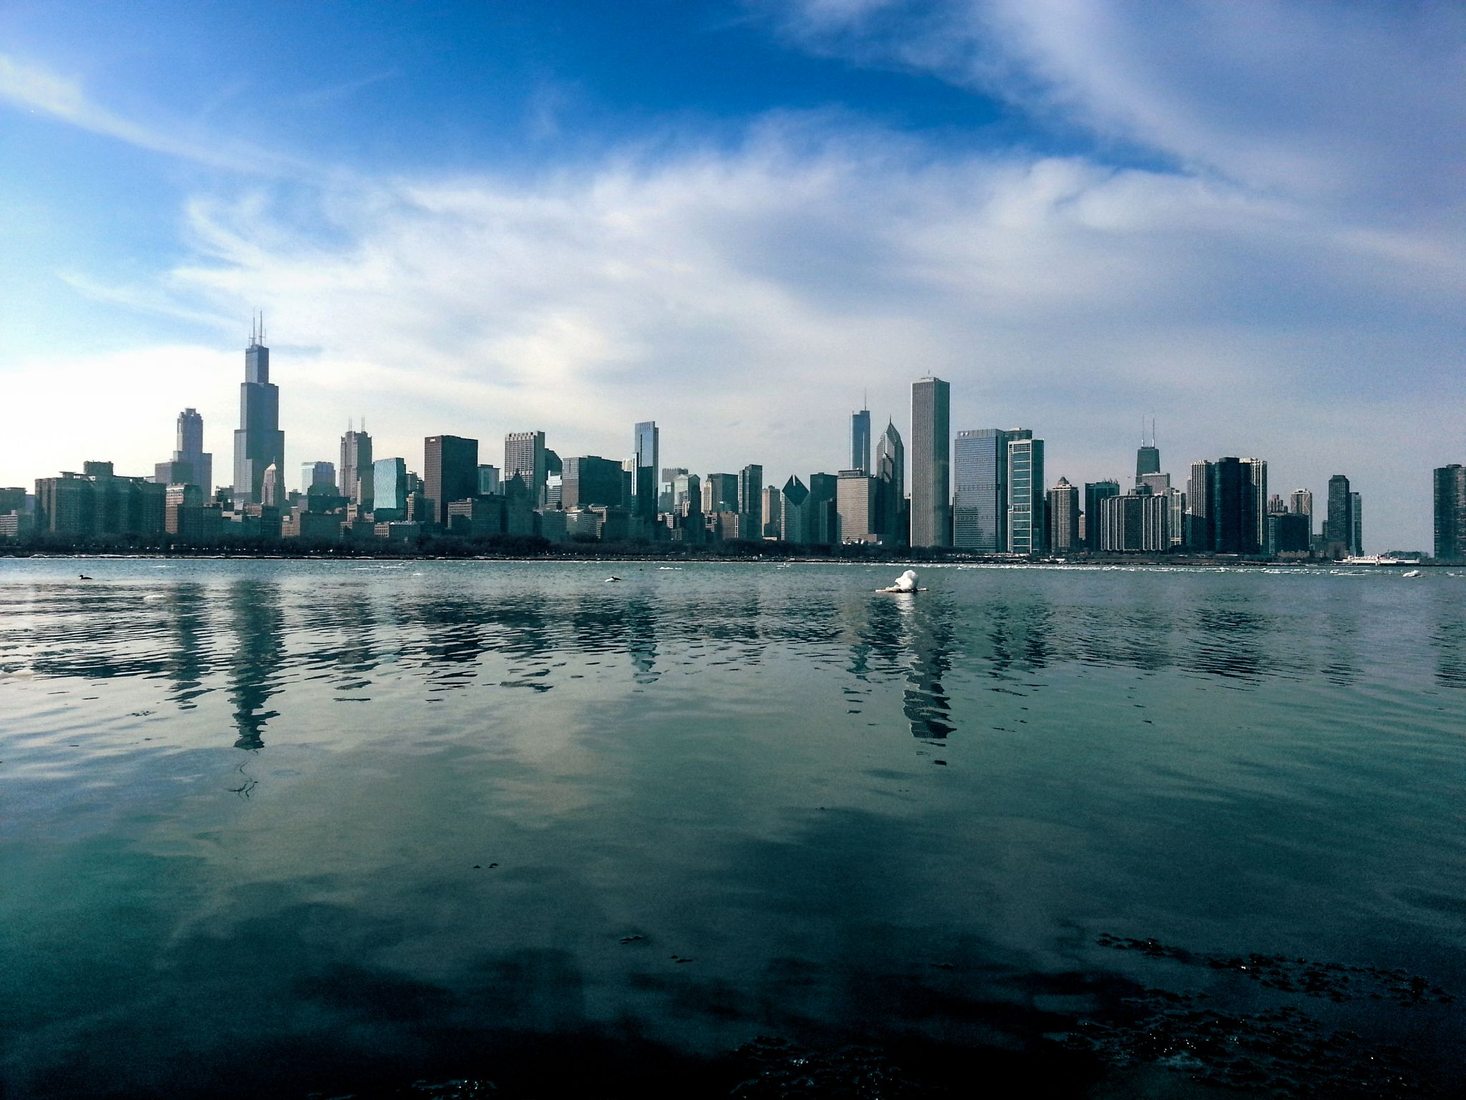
x: 259, y: 443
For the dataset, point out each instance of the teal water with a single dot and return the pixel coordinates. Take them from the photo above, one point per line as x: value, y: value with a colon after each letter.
x: 274, y: 826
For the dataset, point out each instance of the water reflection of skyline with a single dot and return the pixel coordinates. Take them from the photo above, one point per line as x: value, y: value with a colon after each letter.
x: 256, y: 671
x: 354, y: 632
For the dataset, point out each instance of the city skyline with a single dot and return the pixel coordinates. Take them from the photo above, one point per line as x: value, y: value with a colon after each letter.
x: 1073, y: 215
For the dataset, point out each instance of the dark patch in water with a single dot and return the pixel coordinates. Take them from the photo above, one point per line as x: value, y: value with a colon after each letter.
x: 1279, y: 1050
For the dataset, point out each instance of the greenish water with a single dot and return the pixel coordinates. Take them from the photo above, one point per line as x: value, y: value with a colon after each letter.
x: 273, y: 826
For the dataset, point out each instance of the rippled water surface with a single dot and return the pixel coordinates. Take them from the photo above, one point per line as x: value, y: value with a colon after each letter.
x: 279, y: 824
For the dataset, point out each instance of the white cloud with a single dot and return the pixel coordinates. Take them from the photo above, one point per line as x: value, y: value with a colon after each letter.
x: 36, y: 89
x: 1357, y: 104
x: 746, y: 299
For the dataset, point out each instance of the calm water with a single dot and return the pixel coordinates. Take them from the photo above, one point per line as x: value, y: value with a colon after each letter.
x: 277, y: 824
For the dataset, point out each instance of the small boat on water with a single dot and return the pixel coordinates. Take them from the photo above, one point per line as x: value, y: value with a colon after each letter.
x: 1412, y: 573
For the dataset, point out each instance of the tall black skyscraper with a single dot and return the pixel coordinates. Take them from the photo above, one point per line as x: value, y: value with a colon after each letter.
x: 1450, y: 511
x: 259, y: 443
x: 450, y: 471
x: 860, y: 441
x: 1338, y: 526
x: 1147, y: 455
x: 1229, y: 507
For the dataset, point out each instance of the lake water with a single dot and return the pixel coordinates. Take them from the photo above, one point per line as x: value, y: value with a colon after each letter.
x: 275, y: 827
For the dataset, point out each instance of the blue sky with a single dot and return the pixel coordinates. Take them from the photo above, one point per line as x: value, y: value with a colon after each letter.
x: 737, y: 219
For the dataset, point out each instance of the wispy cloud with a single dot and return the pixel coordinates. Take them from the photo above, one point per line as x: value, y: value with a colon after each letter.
x: 38, y: 90
x: 1359, y: 103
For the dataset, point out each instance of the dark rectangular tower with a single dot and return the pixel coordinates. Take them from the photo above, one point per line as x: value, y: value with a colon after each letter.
x: 450, y: 471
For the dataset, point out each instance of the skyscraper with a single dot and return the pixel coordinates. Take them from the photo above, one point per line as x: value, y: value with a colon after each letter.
x: 1356, y: 524
x: 792, y: 525
x: 931, y: 450
x: 720, y: 493
x: 1063, y: 517
x: 259, y: 443
x: 1199, y: 488
x: 317, y: 473
x: 190, y: 464
x: 750, y: 502
x: 979, y: 506
x: 891, y: 515
x: 355, y: 469
x: 1229, y: 510
x: 1147, y: 456
x: 1025, y: 493
x: 860, y: 441
x: 1254, y: 472
x: 389, y: 481
x: 450, y: 471
x: 646, y: 445
x: 1300, y: 503
x: 589, y: 480
x: 1449, y: 491
x: 1338, y: 526
x: 524, y: 455
x: 1095, y: 494
x: 855, y: 502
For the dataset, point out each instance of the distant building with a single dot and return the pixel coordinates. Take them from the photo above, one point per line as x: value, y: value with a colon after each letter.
x: 1138, y: 522
x: 488, y: 480
x: 892, y: 516
x: 1254, y: 472
x: 1147, y: 460
x: 587, y: 480
x: 389, y: 479
x: 1288, y: 533
x: 1338, y: 526
x: 476, y: 516
x: 931, y: 450
x: 720, y: 493
x: 750, y: 502
x: 645, y: 484
x: 259, y: 443
x: 450, y: 472
x: 1025, y: 477
x: 855, y: 501
x: 317, y: 473
x: 524, y: 457
x: 773, y: 513
x: 1095, y: 493
x: 272, y: 487
x: 1199, y: 489
x: 860, y: 441
x: 1449, y: 492
x: 191, y: 464
x: 1356, y: 524
x: 979, y: 502
x: 96, y: 502
x: 355, y: 469
x: 791, y: 514
x: 821, y: 514
x: 1063, y: 517
x: 1233, y: 511
x: 1300, y: 503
